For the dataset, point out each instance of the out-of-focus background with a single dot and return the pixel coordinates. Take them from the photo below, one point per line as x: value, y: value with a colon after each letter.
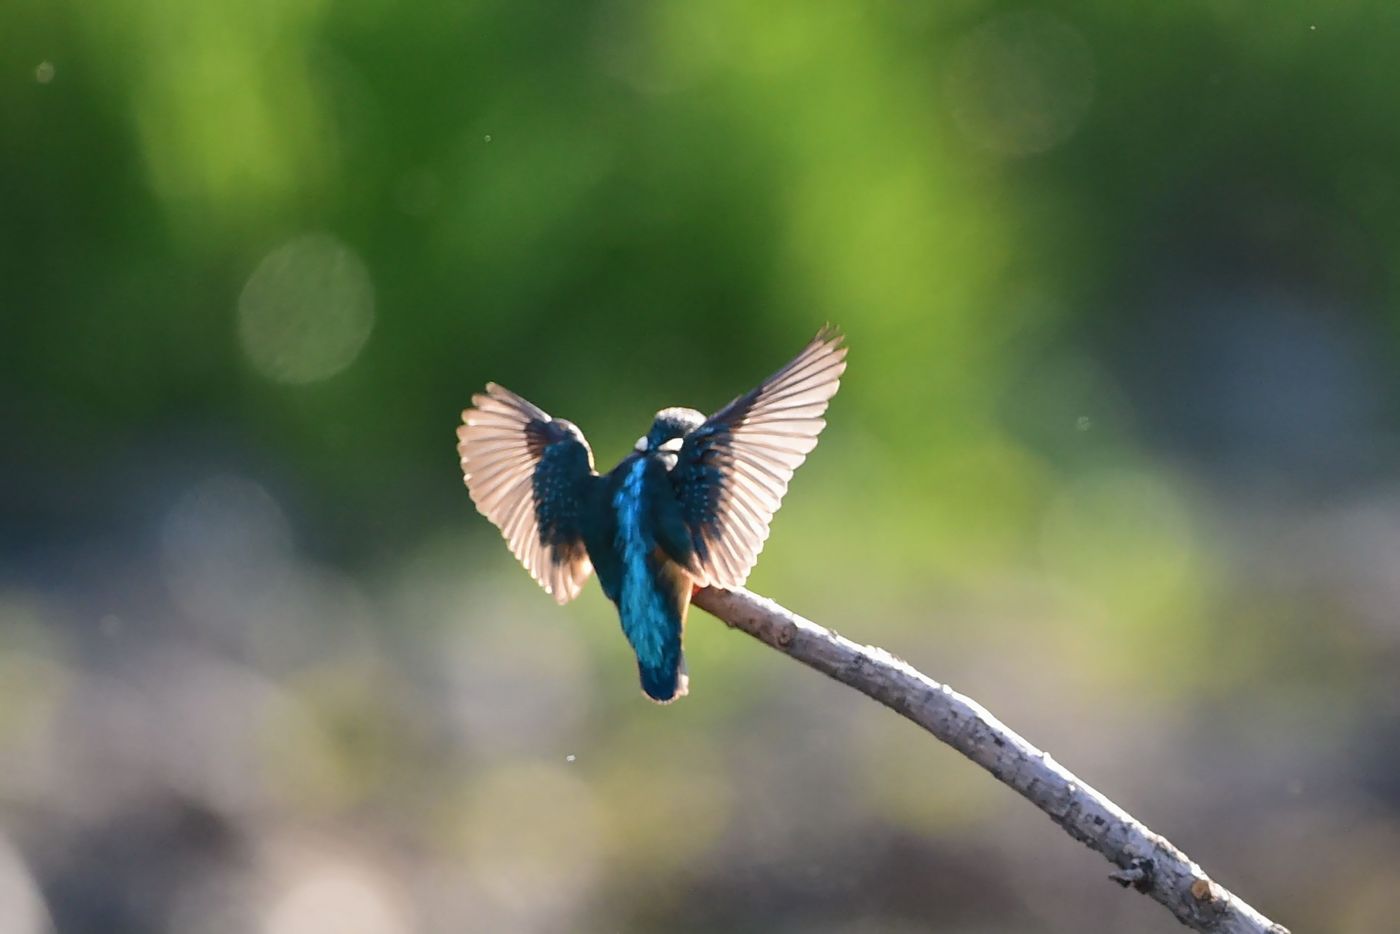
x: 1116, y: 454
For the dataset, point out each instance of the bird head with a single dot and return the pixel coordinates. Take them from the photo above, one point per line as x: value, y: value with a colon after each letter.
x: 668, y: 429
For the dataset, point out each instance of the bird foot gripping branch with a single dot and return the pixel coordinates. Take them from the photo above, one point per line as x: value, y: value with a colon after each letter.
x: 688, y: 508
x: 1138, y: 874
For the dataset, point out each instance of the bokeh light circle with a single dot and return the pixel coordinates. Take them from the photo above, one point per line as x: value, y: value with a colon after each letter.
x: 226, y: 548
x: 307, y: 310
x: 535, y: 839
x: 22, y: 908
x: 338, y: 898
x: 1021, y: 83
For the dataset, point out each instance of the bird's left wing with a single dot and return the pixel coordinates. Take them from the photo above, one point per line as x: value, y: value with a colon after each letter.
x: 732, y: 471
x: 530, y: 474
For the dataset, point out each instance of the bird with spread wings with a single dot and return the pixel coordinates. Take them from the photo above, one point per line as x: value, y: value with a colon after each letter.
x: 689, y: 507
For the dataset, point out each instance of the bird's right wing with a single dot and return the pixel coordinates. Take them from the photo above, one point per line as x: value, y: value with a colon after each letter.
x: 530, y: 475
x: 732, y: 471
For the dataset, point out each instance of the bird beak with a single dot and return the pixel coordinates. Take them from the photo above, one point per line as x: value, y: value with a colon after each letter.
x: 673, y: 446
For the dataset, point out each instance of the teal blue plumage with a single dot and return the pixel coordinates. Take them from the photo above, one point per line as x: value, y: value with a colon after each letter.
x: 690, y: 507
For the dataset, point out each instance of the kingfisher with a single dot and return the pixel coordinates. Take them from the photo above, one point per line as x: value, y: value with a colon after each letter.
x: 689, y: 507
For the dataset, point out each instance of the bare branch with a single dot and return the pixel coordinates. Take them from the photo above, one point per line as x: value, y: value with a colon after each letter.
x: 1146, y: 861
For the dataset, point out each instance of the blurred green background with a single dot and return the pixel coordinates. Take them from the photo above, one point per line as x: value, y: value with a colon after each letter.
x: 1116, y: 454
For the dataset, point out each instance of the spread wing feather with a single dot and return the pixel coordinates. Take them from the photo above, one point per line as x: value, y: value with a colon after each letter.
x: 733, y: 470
x: 529, y: 474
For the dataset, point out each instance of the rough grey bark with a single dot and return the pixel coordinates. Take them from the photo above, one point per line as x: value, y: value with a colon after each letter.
x: 1146, y: 861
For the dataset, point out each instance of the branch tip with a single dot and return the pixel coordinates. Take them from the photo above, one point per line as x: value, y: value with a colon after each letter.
x: 1170, y: 877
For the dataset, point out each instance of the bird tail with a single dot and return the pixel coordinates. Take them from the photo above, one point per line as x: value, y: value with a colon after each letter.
x: 665, y: 682
x: 655, y: 625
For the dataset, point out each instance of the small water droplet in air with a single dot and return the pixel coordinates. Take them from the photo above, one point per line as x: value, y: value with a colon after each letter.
x: 487, y: 137
x: 570, y: 758
x: 43, y: 72
x: 1083, y: 423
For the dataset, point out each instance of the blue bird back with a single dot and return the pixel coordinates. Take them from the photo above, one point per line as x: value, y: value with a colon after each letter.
x: 651, y: 591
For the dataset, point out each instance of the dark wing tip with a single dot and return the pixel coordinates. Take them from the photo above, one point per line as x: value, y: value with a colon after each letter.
x: 496, y: 393
x: 829, y: 343
x: 830, y: 336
